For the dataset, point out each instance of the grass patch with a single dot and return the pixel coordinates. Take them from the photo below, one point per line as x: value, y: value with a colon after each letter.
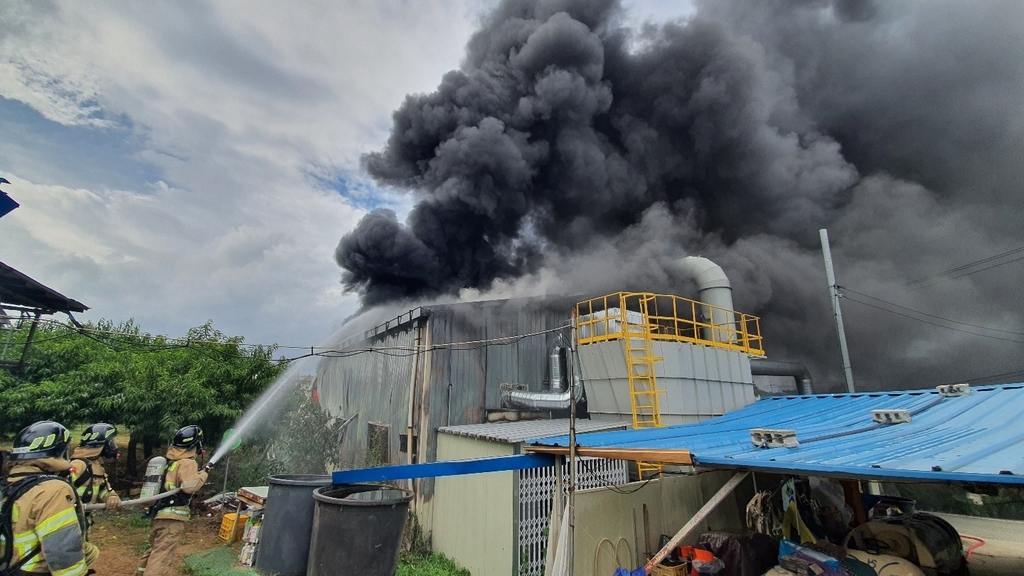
x: 215, y: 562
x: 141, y: 548
x: 123, y: 518
x: 435, y: 564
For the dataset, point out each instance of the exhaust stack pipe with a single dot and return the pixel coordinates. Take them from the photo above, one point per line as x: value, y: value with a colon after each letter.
x: 713, y: 288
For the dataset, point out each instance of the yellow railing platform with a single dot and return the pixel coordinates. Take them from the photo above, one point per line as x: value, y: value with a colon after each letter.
x: 669, y: 318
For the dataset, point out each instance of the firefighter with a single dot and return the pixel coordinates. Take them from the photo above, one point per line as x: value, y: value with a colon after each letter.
x: 87, y: 474
x: 46, y: 520
x: 170, y: 514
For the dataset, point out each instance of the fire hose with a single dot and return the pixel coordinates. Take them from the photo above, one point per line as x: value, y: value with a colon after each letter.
x: 147, y: 499
x: 136, y: 502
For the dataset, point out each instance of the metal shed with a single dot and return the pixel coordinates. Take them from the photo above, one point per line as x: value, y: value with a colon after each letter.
x: 430, y: 368
x: 951, y: 434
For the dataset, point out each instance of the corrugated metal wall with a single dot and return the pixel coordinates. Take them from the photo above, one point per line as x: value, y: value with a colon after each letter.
x: 464, y: 380
x: 375, y: 385
x: 700, y: 382
x: 453, y: 385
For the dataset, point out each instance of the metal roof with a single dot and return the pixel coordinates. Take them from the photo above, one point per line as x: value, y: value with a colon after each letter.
x: 17, y: 289
x: 515, y: 432
x: 977, y: 437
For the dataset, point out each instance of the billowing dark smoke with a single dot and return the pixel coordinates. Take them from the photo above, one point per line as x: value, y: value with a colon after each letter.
x: 573, y: 152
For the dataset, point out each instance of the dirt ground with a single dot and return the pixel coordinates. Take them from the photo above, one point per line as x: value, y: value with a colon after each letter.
x: 123, y: 537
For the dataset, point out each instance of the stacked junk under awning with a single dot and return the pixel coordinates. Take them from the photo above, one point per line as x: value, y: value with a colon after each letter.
x: 645, y: 451
x: 805, y: 472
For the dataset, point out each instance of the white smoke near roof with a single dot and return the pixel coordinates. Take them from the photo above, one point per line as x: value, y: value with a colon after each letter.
x: 571, y: 154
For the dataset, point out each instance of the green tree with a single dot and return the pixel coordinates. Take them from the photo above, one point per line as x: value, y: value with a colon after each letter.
x: 150, y: 384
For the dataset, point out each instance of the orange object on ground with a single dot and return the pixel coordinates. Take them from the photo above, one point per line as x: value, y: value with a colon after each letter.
x: 703, y: 555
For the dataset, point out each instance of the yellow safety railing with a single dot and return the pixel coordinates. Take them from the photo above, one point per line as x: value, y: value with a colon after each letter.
x: 670, y: 318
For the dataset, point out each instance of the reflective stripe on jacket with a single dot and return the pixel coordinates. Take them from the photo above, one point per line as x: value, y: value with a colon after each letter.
x: 97, y: 488
x: 46, y: 517
x: 182, y: 474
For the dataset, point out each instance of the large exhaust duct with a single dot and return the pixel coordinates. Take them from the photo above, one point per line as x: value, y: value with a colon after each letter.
x: 558, y: 398
x: 713, y: 288
x: 556, y: 380
x: 799, y: 372
x: 542, y: 401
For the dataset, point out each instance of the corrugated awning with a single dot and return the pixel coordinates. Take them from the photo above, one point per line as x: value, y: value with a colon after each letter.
x: 976, y: 437
x: 17, y: 289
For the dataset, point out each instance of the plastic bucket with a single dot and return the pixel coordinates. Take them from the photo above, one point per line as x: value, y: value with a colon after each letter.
x: 357, y: 529
x: 288, y: 524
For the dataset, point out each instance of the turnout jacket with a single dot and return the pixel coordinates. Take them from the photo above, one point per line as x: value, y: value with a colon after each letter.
x: 48, y: 517
x: 182, y: 472
x: 97, y: 488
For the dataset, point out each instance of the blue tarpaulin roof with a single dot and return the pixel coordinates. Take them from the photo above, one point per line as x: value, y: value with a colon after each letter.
x: 977, y: 437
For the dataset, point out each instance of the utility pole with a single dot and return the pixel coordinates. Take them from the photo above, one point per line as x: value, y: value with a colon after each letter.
x: 572, y: 448
x: 833, y: 291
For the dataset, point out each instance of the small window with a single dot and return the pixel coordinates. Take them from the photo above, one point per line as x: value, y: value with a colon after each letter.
x: 403, y: 443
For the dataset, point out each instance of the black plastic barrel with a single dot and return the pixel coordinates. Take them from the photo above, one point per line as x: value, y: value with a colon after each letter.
x: 357, y: 529
x: 288, y: 524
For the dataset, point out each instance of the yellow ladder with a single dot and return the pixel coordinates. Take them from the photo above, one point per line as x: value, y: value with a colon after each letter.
x: 644, y: 395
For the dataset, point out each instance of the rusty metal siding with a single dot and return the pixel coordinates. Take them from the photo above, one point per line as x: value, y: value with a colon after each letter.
x: 374, y: 385
x: 499, y: 358
x: 533, y: 351
x: 476, y: 370
x: 453, y: 385
x: 466, y: 367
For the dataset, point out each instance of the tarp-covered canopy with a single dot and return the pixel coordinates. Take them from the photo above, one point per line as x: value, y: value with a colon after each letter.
x: 977, y: 437
x: 17, y: 289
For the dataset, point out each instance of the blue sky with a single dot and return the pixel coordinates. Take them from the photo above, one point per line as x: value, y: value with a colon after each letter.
x: 88, y: 156
x: 183, y: 161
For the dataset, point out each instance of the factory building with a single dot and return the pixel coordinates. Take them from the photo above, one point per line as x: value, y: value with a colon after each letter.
x: 643, y: 360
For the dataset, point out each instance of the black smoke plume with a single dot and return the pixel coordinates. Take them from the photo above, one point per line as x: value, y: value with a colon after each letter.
x: 574, y: 152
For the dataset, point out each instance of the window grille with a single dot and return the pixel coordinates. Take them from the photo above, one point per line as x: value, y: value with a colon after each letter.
x: 536, y: 499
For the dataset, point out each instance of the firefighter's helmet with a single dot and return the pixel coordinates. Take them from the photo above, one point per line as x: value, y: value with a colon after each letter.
x: 44, y: 439
x: 101, y: 434
x: 189, y: 437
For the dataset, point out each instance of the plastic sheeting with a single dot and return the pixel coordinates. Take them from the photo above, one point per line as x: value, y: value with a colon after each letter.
x: 743, y: 554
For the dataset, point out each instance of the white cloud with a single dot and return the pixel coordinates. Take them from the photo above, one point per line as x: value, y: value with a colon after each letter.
x: 246, y: 112
x: 247, y: 109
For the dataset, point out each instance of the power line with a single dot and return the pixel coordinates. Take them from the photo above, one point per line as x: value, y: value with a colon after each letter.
x: 932, y: 323
x: 322, y: 351
x: 987, y: 267
x: 851, y: 290
x: 407, y: 351
x: 980, y: 379
x: 963, y: 267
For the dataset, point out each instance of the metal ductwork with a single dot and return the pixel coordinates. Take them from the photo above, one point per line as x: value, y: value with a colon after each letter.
x: 796, y: 370
x: 542, y: 401
x: 556, y: 381
x: 712, y: 288
x: 559, y: 397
